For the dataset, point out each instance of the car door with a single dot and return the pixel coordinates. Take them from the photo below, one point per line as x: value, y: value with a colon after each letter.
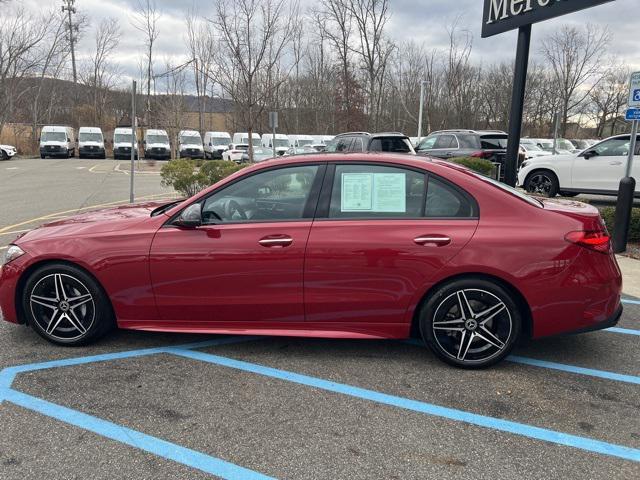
x: 376, y: 242
x: 446, y: 146
x: 602, y: 166
x: 244, y: 264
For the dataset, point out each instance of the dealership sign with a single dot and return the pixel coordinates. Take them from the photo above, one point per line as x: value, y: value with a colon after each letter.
x: 503, y: 15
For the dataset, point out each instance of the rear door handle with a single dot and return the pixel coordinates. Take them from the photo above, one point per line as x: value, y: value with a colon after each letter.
x: 615, y: 163
x: 439, y: 240
x: 276, y: 241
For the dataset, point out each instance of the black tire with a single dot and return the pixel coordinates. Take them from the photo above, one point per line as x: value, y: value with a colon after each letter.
x: 49, y: 306
x: 43, y: 156
x: 542, y: 182
x: 3, y: 155
x: 569, y: 194
x: 463, y: 340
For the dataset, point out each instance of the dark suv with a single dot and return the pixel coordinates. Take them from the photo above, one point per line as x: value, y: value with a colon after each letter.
x: 371, y: 142
x: 488, y: 144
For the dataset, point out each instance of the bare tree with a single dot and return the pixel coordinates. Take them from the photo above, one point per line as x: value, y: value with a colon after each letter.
x: 146, y: 21
x: 201, y: 44
x: 609, y: 97
x: 575, y: 56
x: 252, y: 39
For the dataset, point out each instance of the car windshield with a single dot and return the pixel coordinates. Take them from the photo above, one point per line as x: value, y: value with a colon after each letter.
x: 219, y: 141
x: 190, y: 140
x: 256, y: 141
x: 90, y: 137
x: 54, y: 137
x: 391, y: 144
x: 122, y: 138
x: 157, y: 139
x: 533, y: 148
x: 565, y: 144
x: 506, y: 188
x: 279, y: 142
x: 494, y: 142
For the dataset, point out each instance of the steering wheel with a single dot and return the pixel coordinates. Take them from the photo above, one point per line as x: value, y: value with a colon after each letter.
x: 233, y: 207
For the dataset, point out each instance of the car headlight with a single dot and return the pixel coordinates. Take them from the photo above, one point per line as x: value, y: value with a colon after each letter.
x: 11, y: 254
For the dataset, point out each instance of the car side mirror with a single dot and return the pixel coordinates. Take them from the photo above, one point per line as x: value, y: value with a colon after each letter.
x: 191, y: 217
x: 589, y: 153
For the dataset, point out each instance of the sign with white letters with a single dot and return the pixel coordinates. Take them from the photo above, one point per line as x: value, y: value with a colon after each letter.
x: 634, y: 90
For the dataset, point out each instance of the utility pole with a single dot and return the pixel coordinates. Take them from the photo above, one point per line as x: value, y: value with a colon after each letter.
x: 68, y: 6
x: 422, y: 84
x: 133, y: 139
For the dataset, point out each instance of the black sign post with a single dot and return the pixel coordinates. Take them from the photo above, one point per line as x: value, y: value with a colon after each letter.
x: 504, y: 15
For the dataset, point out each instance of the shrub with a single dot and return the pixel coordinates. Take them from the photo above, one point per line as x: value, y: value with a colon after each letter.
x: 183, y: 176
x: 609, y: 215
x: 480, y: 165
x: 216, y: 170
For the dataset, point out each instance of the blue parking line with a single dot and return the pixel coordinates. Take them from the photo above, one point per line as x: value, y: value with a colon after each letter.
x: 628, y: 300
x: 618, y: 377
x: 624, y: 331
x: 134, y: 438
x: 516, y: 428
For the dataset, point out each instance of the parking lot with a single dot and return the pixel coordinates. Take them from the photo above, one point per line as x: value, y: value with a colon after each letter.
x: 148, y: 405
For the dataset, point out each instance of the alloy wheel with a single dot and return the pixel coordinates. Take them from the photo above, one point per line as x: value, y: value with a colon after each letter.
x: 540, y: 183
x: 62, y: 306
x: 472, y: 326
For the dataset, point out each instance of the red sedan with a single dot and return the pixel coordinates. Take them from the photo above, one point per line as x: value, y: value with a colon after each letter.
x: 343, y: 246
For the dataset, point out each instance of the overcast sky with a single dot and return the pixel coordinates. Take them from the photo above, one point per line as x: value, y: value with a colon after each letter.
x: 422, y: 21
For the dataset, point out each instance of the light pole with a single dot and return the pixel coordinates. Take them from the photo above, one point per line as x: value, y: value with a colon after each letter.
x: 422, y: 84
x: 68, y: 6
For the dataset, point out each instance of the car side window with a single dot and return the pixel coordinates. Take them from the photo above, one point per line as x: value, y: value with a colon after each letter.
x: 274, y: 195
x: 446, y: 141
x: 427, y: 143
x: 615, y: 147
x: 390, y: 144
x: 446, y: 201
x: 356, y: 145
x: 376, y: 191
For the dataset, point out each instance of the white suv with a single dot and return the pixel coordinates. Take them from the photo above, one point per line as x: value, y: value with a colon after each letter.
x: 596, y: 170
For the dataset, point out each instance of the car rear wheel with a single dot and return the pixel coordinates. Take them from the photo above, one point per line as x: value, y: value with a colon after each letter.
x: 542, y: 182
x: 3, y: 155
x: 470, y: 323
x: 66, y: 306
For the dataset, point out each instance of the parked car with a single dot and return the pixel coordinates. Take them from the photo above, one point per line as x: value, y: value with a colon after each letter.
x: 7, y: 152
x: 533, y: 151
x: 597, y: 170
x: 260, y: 154
x: 122, y: 139
x: 370, y: 142
x: 488, y: 144
x: 307, y: 149
x: 300, y: 140
x: 57, y: 141
x: 235, y: 151
x: 281, y: 142
x: 215, y: 143
x: 91, y: 143
x: 403, y: 246
x: 156, y: 144
x: 190, y: 144
x: 243, y: 138
x: 582, y: 144
x: 547, y: 145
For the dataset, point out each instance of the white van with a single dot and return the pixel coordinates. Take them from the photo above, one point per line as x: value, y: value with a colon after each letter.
x: 281, y: 142
x: 156, y: 144
x: 190, y: 144
x: 122, y: 143
x: 243, y: 137
x: 215, y: 143
x: 91, y: 143
x: 57, y: 141
x: 300, y: 140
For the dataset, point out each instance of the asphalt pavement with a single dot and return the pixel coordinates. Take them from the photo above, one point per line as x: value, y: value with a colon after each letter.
x: 164, y: 406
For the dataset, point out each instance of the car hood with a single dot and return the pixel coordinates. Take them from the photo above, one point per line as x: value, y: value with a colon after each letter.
x: 552, y: 158
x: 95, y: 221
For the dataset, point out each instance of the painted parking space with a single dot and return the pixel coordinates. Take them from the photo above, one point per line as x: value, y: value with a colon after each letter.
x: 244, y: 373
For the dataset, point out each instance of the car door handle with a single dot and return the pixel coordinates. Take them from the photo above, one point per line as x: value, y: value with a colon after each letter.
x: 615, y: 163
x: 276, y: 241
x: 439, y: 240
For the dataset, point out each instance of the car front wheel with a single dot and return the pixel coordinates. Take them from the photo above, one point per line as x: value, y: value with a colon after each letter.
x: 470, y: 323
x: 542, y: 182
x: 66, y: 306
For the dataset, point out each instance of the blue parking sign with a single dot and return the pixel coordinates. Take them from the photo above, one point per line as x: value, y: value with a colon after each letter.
x: 636, y: 95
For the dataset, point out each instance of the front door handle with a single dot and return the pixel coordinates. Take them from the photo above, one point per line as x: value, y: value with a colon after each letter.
x: 439, y: 240
x: 276, y: 241
x: 615, y: 163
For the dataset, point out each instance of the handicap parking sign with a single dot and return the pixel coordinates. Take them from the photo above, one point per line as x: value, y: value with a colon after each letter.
x: 636, y: 95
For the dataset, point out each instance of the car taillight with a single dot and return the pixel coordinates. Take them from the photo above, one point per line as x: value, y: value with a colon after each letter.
x: 481, y: 154
x: 600, y: 241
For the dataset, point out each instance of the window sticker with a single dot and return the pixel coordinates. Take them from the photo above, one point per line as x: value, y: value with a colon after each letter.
x: 373, y: 192
x: 356, y: 192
